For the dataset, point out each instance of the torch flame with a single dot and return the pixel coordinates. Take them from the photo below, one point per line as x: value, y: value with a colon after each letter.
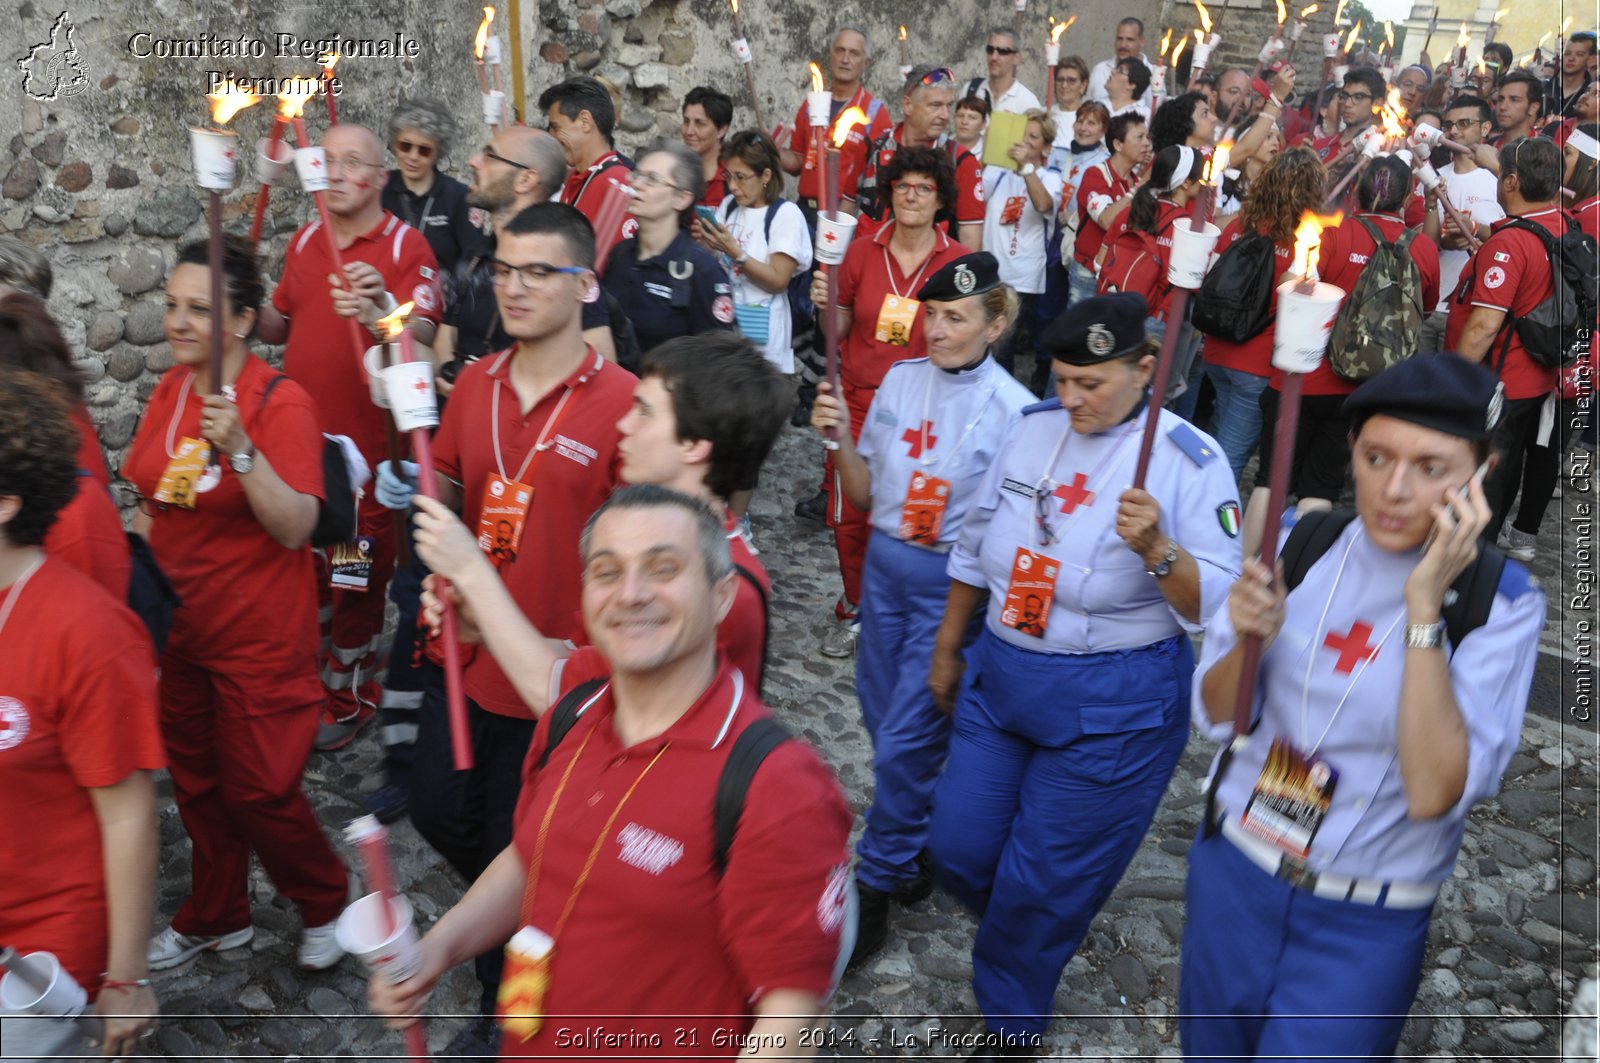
x: 1308, y: 241
x: 329, y: 60
x: 735, y: 5
x: 1205, y: 16
x: 1463, y: 36
x: 1392, y: 117
x: 1166, y: 39
x: 1309, y: 10
x: 1177, y: 49
x: 1388, y: 34
x: 391, y: 325
x: 1055, y: 34
x: 1483, y: 66
x: 481, y: 41
x: 1355, y: 32
x: 1565, y: 26
x: 1540, y: 45
x: 1218, y: 163
x: 848, y: 120
x: 229, y: 101
x: 295, y: 95
x: 902, y: 33
x: 816, y: 78
x: 1338, y: 13
x: 1283, y: 13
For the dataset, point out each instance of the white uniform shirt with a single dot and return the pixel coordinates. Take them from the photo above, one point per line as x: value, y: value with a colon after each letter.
x: 791, y: 237
x: 1474, y: 194
x: 1102, y: 71
x: 1104, y: 599
x: 966, y: 417
x: 1020, y: 245
x: 1018, y: 99
x: 1330, y: 684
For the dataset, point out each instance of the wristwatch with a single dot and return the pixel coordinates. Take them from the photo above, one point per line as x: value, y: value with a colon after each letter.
x: 243, y: 462
x: 1028, y: 169
x: 1424, y: 636
x: 1164, y: 566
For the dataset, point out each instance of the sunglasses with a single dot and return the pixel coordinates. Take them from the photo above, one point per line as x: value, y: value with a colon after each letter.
x: 937, y: 75
x: 995, y: 49
x: 408, y: 147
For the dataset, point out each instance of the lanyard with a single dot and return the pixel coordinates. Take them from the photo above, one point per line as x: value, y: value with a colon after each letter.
x: 888, y: 268
x: 601, y: 165
x: 540, y: 445
x: 177, y: 414
x: 16, y: 592
x: 922, y: 425
x: 1040, y: 489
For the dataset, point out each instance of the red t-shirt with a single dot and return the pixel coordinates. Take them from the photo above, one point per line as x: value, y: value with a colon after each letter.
x: 1255, y: 354
x: 969, y: 184
x: 586, y: 189
x: 742, y: 635
x: 852, y: 154
x: 228, y: 571
x: 570, y: 479
x: 318, y: 355
x: 869, y: 276
x: 1101, y: 187
x: 1510, y: 273
x: 91, y: 458
x: 1587, y: 215
x: 77, y: 712
x: 1346, y: 249
x: 716, y: 188
x: 656, y: 938
x: 88, y: 536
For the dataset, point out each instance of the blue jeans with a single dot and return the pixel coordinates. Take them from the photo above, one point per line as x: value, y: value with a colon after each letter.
x: 1082, y: 281
x: 1238, y: 413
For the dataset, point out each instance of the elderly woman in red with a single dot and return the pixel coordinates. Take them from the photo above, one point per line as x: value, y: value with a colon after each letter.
x: 229, y: 488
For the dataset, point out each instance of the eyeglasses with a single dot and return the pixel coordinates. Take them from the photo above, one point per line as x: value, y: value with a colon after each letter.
x: 740, y: 178
x: 936, y: 75
x: 1042, y: 499
x: 1460, y: 123
x: 408, y: 147
x: 995, y: 49
x: 1346, y: 97
x: 646, y: 179
x: 490, y: 153
x: 914, y: 191
x: 531, y: 275
x: 352, y: 164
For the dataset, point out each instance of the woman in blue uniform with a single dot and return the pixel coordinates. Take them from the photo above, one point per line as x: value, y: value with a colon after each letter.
x: 1386, y: 706
x: 933, y: 428
x: 1073, y: 708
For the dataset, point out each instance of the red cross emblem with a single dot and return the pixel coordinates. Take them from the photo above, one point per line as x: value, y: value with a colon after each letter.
x: 918, y: 438
x: 14, y: 723
x: 830, y: 236
x: 316, y: 163
x: 421, y: 386
x: 1352, y: 647
x: 1074, y: 494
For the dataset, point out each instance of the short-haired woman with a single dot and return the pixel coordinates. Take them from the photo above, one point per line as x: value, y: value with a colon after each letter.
x: 428, y: 200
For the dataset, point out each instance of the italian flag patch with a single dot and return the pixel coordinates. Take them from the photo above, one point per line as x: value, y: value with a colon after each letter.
x: 1228, y: 517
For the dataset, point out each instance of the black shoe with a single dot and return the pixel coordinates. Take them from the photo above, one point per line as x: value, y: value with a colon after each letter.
x: 872, y: 926
x: 813, y: 508
x: 918, y: 889
x: 388, y: 802
x: 478, y: 1039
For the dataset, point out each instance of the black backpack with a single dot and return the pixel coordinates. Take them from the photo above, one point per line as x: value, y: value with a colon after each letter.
x: 749, y: 750
x: 1380, y: 323
x: 336, y: 515
x: 1235, y: 301
x: 1559, y: 330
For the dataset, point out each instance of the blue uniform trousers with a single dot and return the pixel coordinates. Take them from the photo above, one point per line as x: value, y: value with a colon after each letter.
x: 1271, y: 972
x: 1056, y: 766
x: 903, y: 593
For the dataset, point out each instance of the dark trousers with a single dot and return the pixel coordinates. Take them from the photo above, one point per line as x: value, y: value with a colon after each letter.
x: 468, y: 815
x: 1521, y: 465
x: 408, y: 675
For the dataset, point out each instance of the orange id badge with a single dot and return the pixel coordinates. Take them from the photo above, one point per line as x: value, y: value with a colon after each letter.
x: 896, y: 317
x: 500, y: 520
x: 1030, y: 593
x: 185, y: 475
x: 1011, y: 213
x: 1291, y: 799
x: 922, y: 516
x: 519, y: 1008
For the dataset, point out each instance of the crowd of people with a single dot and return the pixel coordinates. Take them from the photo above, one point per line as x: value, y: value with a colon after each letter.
x: 617, y: 345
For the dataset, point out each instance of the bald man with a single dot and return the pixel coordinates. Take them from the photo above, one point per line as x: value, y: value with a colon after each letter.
x: 383, y: 258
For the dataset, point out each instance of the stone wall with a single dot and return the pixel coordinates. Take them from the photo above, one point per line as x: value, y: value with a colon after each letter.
x: 99, y: 176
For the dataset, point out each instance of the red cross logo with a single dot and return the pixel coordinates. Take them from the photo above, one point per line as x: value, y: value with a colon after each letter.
x: 14, y: 723
x: 918, y: 438
x: 1351, y: 647
x: 421, y: 386
x: 316, y: 163
x: 1074, y: 494
x: 830, y: 236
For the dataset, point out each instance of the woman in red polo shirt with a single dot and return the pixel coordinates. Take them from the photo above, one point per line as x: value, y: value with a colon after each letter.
x: 880, y: 323
x: 240, y: 695
x: 1292, y: 185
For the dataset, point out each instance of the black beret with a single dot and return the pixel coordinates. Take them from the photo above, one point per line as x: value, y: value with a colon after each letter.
x: 1097, y: 329
x: 1444, y: 392
x: 971, y: 274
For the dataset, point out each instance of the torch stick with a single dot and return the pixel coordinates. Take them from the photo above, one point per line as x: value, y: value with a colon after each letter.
x: 741, y: 48
x: 279, y: 124
x: 14, y: 962
x: 1022, y: 5
x: 328, y: 62
x: 830, y: 317
x: 214, y: 151
x: 1344, y: 182
x: 1433, y: 24
x: 214, y: 254
x: 905, y: 55
x: 372, y: 841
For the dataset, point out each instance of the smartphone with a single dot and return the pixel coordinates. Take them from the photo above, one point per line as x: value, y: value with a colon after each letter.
x: 707, y: 215
x: 1461, y: 492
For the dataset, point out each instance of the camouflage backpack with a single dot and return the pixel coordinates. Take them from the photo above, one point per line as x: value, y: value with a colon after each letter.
x: 1380, y: 322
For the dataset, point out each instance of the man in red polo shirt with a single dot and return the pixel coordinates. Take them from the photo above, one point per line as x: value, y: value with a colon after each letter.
x: 581, y: 115
x: 381, y: 253
x: 530, y: 437
x: 848, y: 60
x: 1507, y: 277
x: 684, y: 958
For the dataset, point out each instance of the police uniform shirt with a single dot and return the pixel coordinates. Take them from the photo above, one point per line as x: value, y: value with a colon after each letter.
x: 1330, y: 684
x: 1104, y: 599
x: 681, y: 292
x: 452, y: 228
x: 948, y: 425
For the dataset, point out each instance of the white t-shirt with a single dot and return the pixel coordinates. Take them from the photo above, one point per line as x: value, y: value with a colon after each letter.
x: 1013, y: 231
x: 1064, y: 120
x: 1018, y: 99
x: 1473, y: 194
x: 789, y: 237
x: 1102, y: 72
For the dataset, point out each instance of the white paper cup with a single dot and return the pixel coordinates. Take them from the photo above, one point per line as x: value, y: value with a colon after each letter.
x: 817, y: 107
x: 63, y: 997
x: 1052, y: 53
x: 360, y: 933
x: 1273, y: 46
x: 373, y: 362
x: 491, y: 50
x: 1428, y: 175
x: 273, y: 160
x: 1022, y: 5
x: 213, y: 151
x: 741, y: 48
x: 494, y: 107
x: 1330, y: 45
x: 410, y: 390
x: 1427, y: 136
x: 1300, y: 337
x: 312, y: 166
x: 834, y: 230
x: 1202, y: 55
x: 1339, y: 72
x: 1191, y: 253
x: 1296, y: 30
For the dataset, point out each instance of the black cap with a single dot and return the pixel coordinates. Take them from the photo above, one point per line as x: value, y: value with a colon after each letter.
x: 1097, y: 329
x: 971, y: 274
x: 1440, y: 391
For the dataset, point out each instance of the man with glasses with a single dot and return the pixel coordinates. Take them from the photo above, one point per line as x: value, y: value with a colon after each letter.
x: 583, y: 118
x: 1567, y: 87
x: 384, y: 260
x: 1129, y: 44
x: 1001, y: 89
x: 848, y: 60
x: 1474, y: 192
x: 1364, y: 92
x: 1518, y: 107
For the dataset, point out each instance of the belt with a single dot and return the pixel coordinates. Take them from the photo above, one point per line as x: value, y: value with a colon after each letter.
x: 1377, y: 892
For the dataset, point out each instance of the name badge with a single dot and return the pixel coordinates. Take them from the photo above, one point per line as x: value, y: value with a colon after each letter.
x: 896, y: 317
x: 501, y: 518
x: 922, y: 515
x: 1291, y: 799
x: 350, y: 564
x: 187, y: 474
x: 1031, y: 592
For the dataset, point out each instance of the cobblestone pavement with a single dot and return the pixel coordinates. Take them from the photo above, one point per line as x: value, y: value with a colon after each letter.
x: 1513, y: 934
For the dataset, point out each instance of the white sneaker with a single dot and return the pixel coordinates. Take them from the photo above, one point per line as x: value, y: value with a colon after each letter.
x: 840, y: 641
x: 319, y: 947
x: 1519, y: 544
x: 170, y: 948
